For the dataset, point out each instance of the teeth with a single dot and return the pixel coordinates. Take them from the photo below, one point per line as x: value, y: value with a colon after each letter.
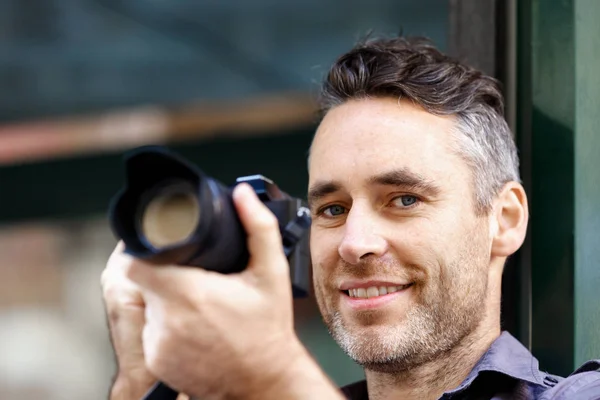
x: 374, y: 291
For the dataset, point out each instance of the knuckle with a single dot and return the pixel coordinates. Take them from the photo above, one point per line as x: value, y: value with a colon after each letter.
x: 113, y: 314
x: 130, y: 270
x: 104, y: 278
x: 110, y: 285
x: 113, y: 303
x: 109, y: 291
x: 113, y: 283
x: 116, y: 270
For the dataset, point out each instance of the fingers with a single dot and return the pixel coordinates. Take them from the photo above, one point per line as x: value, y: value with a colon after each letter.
x: 125, y: 309
x: 168, y: 281
x: 263, y: 240
x: 118, y: 290
x: 262, y: 228
x: 160, y: 279
x: 109, y: 271
x: 125, y: 277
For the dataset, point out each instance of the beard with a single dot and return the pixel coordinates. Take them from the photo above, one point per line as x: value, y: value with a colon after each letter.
x: 444, y: 312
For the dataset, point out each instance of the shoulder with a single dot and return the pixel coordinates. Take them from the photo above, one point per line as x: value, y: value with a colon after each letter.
x: 583, y: 384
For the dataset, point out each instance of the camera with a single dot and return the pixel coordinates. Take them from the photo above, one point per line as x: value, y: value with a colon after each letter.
x: 170, y: 212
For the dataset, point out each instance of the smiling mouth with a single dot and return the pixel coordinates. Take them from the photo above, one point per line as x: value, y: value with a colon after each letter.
x: 375, y: 291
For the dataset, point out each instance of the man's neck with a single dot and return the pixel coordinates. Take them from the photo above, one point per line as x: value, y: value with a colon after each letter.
x: 429, y: 381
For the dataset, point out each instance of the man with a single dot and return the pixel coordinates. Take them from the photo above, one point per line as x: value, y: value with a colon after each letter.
x: 416, y: 204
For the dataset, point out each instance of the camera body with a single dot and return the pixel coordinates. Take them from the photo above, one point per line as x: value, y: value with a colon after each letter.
x: 170, y: 212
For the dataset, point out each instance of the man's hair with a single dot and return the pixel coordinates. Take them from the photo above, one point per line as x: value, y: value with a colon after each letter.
x: 413, y: 69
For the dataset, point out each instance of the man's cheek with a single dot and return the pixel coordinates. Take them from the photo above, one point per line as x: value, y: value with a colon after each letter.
x: 321, y: 277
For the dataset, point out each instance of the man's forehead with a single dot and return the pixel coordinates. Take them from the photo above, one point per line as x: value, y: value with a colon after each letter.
x: 381, y: 125
x: 361, y: 139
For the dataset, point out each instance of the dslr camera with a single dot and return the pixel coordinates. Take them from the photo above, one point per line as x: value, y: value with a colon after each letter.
x: 170, y: 212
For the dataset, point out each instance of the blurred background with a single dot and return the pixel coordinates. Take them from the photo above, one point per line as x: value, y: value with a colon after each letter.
x: 231, y: 85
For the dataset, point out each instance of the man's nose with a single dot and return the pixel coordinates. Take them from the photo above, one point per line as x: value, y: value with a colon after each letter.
x: 362, y: 237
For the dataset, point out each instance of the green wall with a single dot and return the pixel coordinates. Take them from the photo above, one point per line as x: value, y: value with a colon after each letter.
x: 559, y: 110
x: 587, y: 180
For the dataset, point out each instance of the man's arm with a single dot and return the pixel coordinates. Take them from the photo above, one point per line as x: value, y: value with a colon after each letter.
x: 303, y: 379
x: 217, y: 336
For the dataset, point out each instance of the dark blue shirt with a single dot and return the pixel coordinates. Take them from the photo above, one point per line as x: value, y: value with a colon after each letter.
x: 509, y: 371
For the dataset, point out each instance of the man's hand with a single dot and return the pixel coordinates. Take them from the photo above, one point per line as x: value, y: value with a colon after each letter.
x: 218, y: 336
x: 125, y: 310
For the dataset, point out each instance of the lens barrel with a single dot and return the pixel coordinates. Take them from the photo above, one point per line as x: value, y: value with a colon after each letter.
x: 170, y: 212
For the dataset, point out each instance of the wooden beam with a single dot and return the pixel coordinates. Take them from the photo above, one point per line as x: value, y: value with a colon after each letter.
x: 124, y: 129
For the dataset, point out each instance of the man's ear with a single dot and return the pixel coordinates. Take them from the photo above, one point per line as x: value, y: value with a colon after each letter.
x: 510, y: 216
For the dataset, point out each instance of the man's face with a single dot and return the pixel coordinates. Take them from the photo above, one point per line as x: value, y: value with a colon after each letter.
x: 400, y: 258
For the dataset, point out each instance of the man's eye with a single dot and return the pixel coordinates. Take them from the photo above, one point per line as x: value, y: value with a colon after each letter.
x: 334, y: 211
x: 406, y: 200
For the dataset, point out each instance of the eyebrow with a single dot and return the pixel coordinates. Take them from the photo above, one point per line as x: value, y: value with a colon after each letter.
x: 400, y: 178
x: 406, y: 178
x: 320, y: 190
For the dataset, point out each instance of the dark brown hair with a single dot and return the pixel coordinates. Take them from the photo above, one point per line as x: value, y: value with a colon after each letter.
x: 413, y: 69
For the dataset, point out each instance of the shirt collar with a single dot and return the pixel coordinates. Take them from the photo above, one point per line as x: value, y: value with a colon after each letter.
x: 507, y: 356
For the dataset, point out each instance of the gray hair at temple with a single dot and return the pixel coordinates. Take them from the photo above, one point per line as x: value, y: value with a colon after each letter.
x: 413, y: 69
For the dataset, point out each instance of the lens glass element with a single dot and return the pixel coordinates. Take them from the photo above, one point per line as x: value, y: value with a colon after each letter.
x: 170, y: 218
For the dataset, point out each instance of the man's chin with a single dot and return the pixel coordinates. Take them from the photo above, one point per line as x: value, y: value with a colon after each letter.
x: 392, y: 358
x: 371, y: 345
x: 375, y: 355
x: 381, y: 348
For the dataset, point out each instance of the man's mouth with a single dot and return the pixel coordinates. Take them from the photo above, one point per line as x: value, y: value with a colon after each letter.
x: 374, y: 291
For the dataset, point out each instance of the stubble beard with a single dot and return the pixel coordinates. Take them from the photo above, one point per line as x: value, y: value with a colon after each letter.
x: 443, y: 315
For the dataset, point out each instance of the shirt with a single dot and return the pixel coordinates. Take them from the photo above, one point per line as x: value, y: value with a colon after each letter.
x: 509, y: 371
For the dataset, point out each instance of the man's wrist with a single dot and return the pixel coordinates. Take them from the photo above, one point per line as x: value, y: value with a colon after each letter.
x: 297, y: 377
x: 130, y: 386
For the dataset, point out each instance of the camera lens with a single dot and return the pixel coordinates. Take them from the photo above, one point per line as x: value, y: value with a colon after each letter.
x: 170, y: 212
x: 170, y: 217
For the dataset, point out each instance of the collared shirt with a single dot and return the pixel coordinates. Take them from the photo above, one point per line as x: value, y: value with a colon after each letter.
x: 509, y: 371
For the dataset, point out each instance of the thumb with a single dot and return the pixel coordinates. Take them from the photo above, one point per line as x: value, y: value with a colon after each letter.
x: 264, y: 239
